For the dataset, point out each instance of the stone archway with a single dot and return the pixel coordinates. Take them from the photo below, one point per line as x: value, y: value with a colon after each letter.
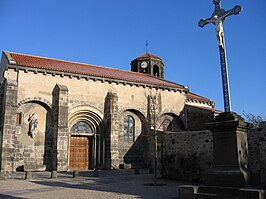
x: 37, y: 140
x: 133, y: 151
x: 86, y: 145
x: 170, y: 122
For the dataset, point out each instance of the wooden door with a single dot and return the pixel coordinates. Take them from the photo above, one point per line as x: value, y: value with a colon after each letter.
x: 79, y: 153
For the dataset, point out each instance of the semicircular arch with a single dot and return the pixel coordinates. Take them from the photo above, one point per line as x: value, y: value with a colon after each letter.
x: 39, y: 100
x: 89, y: 115
x: 141, y: 124
x: 170, y: 122
x: 136, y: 112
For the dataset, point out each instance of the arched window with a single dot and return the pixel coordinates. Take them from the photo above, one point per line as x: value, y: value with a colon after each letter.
x: 129, y: 128
x: 81, y: 127
x: 156, y: 71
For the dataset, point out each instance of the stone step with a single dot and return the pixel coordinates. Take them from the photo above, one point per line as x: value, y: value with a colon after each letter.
x: 213, y: 196
x: 245, y: 193
x: 219, y: 190
x: 213, y: 192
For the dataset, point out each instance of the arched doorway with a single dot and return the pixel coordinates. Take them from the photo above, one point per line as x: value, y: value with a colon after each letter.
x: 81, y: 146
x: 86, y: 139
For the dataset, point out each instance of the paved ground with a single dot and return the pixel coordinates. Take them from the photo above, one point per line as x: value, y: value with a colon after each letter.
x: 120, y: 184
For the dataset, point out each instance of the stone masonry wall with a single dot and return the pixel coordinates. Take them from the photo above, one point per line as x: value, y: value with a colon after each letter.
x: 120, y: 151
x: 2, y: 93
x: 113, y: 138
x: 186, y: 155
x: 9, y: 138
x: 60, y: 106
x: 257, y: 154
x: 2, y: 90
x: 92, y: 92
x: 197, y: 117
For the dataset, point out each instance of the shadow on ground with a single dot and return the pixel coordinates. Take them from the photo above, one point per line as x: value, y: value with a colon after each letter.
x: 120, y: 182
x: 8, y: 196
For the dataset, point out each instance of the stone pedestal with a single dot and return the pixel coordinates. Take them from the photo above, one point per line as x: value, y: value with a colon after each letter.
x: 54, y: 174
x: 187, y: 191
x: 95, y: 172
x: 28, y: 175
x: 2, y: 175
x: 75, y: 174
x: 229, y: 174
x: 230, y: 151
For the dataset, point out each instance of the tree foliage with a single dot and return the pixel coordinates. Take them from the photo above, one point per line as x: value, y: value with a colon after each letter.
x: 253, y: 119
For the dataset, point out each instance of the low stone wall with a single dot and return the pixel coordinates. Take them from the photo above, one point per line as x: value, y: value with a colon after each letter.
x: 257, y: 154
x: 186, y: 155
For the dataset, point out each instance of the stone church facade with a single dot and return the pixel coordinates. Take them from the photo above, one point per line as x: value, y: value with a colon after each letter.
x: 62, y: 115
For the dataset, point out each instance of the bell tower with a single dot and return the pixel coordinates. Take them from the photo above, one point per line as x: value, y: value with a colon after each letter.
x: 150, y: 64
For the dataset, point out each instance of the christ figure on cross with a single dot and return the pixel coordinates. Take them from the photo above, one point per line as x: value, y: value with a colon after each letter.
x: 219, y: 30
x: 218, y: 17
x: 218, y: 21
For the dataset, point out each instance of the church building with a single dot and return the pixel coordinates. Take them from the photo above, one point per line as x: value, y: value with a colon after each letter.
x: 62, y: 115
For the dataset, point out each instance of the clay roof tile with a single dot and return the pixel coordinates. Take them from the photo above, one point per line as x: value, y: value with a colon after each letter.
x: 147, y: 55
x: 88, y: 69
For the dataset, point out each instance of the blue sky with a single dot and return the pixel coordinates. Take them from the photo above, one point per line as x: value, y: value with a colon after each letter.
x: 112, y: 33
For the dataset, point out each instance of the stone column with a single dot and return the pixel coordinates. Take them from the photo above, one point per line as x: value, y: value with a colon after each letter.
x: 60, y: 108
x: 230, y: 151
x: 112, y: 131
x: 8, y: 128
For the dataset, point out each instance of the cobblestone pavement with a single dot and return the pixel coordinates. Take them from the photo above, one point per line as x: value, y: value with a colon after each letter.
x: 116, y: 184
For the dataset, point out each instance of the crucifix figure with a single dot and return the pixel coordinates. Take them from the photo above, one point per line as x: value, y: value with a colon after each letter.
x: 218, y: 17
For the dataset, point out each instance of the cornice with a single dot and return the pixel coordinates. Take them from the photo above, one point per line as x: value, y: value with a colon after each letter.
x: 209, y: 103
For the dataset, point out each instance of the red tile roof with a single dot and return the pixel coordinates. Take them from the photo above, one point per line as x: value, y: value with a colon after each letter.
x: 193, y: 96
x: 99, y: 71
x: 87, y: 69
x: 207, y: 108
x: 147, y: 55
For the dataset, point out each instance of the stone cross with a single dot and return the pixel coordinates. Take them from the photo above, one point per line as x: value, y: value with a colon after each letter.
x: 218, y: 17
